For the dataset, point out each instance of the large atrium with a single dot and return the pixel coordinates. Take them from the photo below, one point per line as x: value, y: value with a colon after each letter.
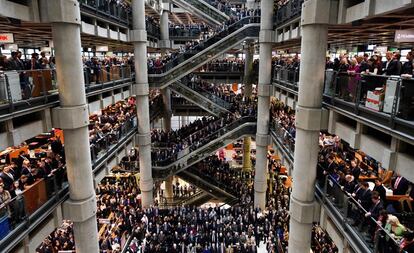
x: 206, y: 126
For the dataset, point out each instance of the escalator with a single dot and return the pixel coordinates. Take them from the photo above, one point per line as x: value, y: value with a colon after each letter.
x: 207, y: 101
x: 187, y: 62
x: 210, y: 186
x: 196, y: 199
x: 240, y: 128
x: 203, y: 10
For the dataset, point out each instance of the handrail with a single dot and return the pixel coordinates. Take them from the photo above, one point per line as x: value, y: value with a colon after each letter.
x: 204, y: 46
x: 355, y: 93
x: 228, y: 133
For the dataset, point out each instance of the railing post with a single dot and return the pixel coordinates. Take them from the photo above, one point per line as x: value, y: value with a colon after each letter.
x: 395, y: 104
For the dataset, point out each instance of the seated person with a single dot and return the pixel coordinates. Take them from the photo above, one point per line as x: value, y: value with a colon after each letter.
x: 394, y: 226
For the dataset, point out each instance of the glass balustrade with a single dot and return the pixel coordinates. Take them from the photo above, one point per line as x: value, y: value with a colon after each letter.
x: 204, y: 52
x: 207, y: 9
x: 205, y: 100
x: 20, y: 212
x: 205, y: 147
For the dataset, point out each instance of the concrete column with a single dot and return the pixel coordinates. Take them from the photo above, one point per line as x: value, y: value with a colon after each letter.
x: 165, y: 30
x: 168, y: 193
x: 248, y: 88
x: 308, y: 122
x: 262, y: 135
x: 72, y: 117
x: 12, y: 134
x: 166, y: 97
x: 46, y: 119
x: 141, y: 90
x: 250, y: 4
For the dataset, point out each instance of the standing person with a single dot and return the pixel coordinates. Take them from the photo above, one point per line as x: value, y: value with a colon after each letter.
x: 407, y: 68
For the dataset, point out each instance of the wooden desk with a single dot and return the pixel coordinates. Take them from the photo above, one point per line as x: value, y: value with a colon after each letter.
x: 35, y: 196
x: 366, y: 178
x: 396, y: 197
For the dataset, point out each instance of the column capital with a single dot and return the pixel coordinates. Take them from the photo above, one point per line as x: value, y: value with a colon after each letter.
x: 138, y: 35
x: 317, y: 12
x: 80, y: 210
x: 61, y: 11
x: 302, y: 212
x: 71, y: 117
x: 308, y: 118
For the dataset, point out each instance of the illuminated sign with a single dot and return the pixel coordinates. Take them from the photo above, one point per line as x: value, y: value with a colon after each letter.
x: 6, y: 38
x: 404, y: 35
x: 102, y: 49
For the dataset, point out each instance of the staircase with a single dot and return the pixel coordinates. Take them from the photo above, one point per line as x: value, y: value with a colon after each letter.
x: 185, y: 63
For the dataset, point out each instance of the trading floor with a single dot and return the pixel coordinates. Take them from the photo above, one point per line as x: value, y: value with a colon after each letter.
x: 206, y: 126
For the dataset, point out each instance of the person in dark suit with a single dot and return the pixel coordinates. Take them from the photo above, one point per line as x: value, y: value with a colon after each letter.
x: 363, y: 195
x: 376, y: 206
x: 355, y: 169
x: 331, y: 166
x: 407, y: 243
x: 7, y: 177
x: 407, y: 67
x: 399, y: 185
x: 393, y: 66
x: 381, y: 190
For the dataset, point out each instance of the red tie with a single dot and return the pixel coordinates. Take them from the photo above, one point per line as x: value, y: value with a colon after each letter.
x: 397, y: 182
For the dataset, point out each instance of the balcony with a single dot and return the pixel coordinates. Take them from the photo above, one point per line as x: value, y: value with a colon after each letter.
x: 22, y: 92
x: 383, y: 101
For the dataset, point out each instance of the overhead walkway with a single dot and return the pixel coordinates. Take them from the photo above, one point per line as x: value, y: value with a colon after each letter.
x: 201, y: 9
x: 209, y: 102
x: 240, y: 128
x: 187, y: 62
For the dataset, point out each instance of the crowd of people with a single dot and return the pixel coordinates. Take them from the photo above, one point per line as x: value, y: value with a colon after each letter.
x: 342, y: 164
x: 240, y: 228
x: 224, y: 65
x: 20, y: 173
x: 373, y: 64
x: 108, y: 127
x: 118, y: 208
x: 188, y: 30
x: 169, y: 145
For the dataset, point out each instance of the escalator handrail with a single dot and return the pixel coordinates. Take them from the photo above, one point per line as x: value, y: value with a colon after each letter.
x: 241, y: 23
x: 213, y: 99
x: 200, y: 90
x: 240, y: 123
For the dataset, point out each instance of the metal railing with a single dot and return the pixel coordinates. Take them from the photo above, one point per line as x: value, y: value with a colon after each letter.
x: 204, y: 147
x: 222, y: 36
x: 393, y: 99
x: 292, y: 9
x: 25, y: 88
x: 350, y: 213
x: 108, y: 9
x: 356, y: 219
x: 17, y: 214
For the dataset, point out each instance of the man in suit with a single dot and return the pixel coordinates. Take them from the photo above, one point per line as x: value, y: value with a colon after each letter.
x: 363, y: 195
x: 381, y: 190
x: 407, y: 67
x: 7, y: 177
x: 399, y: 185
x: 393, y: 65
x: 376, y: 206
